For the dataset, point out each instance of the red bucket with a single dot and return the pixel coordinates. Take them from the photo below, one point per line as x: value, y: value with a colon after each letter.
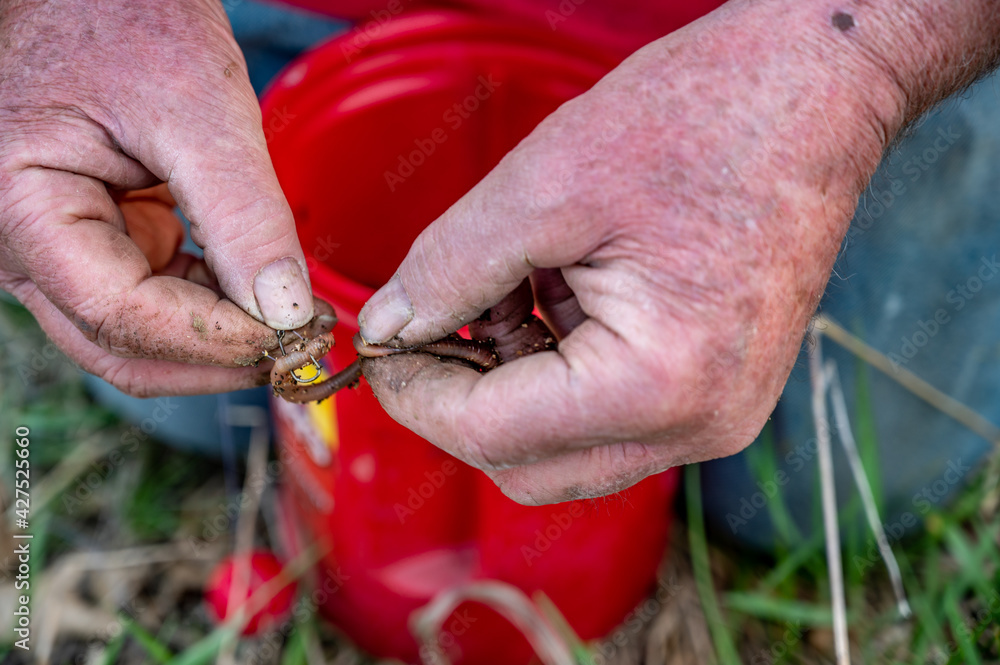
x: 369, y: 148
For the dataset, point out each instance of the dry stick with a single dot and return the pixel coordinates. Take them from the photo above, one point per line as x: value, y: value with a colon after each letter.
x: 846, y: 437
x: 925, y: 391
x: 830, y: 526
x: 508, y: 601
x: 73, y: 566
x: 313, y: 648
x: 296, y: 568
x: 254, y: 417
x: 56, y: 481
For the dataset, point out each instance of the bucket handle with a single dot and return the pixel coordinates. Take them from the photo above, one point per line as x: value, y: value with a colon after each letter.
x: 508, y: 601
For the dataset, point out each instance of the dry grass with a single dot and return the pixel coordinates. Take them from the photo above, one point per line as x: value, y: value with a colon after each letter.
x: 115, y: 578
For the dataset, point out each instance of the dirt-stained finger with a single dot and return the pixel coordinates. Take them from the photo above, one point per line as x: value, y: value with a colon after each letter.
x: 556, y: 301
x: 100, y: 280
x: 151, y: 223
x: 135, y: 376
x: 516, y: 332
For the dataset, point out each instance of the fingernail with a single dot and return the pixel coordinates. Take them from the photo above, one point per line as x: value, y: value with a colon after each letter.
x: 386, y: 313
x: 325, y: 322
x: 282, y: 294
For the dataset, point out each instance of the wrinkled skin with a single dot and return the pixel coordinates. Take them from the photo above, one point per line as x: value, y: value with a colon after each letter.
x: 99, y: 99
x: 678, y: 222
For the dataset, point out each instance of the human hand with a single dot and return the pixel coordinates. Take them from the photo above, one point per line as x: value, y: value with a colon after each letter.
x: 97, y: 99
x: 678, y: 224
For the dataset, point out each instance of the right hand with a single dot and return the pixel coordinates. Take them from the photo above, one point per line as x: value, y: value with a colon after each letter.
x: 100, y: 98
x: 678, y: 223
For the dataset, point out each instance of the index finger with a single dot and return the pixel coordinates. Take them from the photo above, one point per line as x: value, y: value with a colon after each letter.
x: 594, y: 390
x: 480, y: 249
x: 73, y: 248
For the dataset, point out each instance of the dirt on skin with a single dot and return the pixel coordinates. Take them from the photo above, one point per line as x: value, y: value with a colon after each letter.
x: 199, y: 325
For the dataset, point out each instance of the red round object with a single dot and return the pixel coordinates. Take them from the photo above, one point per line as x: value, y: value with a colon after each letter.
x: 222, y: 595
x: 369, y: 149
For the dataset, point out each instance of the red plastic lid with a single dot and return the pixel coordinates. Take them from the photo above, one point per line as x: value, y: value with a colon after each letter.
x: 618, y: 26
x: 370, y: 150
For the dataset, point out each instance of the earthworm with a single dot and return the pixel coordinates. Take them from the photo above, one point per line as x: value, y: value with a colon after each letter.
x: 513, y: 327
x: 505, y: 332
x: 304, y: 354
x: 310, y: 392
x: 307, y: 351
x: 285, y: 386
x: 474, y: 352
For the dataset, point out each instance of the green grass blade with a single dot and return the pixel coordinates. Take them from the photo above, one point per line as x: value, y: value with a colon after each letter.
x: 113, y: 648
x: 205, y: 650
x: 866, y: 436
x: 778, y: 609
x: 762, y: 459
x: 963, y: 637
x: 923, y: 597
x: 788, y: 565
x: 971, y: 565
x: 160, y: 653
x: 295, y: 649
x: 724, y: 648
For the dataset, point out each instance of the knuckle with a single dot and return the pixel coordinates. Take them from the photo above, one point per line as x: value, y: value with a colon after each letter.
x: 477, y: 446
x: 124, y: 377
x: 522, y: 495
x: 550, y: 184
x: 516, y: 486
x: 14, y: 155
x: 729, y: 445
x: 90, y: 320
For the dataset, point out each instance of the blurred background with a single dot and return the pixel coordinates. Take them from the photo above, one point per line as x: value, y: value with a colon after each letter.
x: 139, y: 509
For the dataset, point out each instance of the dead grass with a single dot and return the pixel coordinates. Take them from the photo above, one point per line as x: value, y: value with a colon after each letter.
x: 115, y: 577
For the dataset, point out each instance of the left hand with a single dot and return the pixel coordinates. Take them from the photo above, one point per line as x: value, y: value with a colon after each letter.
x: 678, y: 223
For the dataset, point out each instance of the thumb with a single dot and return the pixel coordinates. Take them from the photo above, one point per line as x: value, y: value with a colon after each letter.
x: 242, y: 221
x: 475, y: 254
x: 214, y: 157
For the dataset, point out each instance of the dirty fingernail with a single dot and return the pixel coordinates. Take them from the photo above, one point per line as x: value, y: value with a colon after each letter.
x: 326, y: 322
x: 386, y: 313
x: 283, y: 295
